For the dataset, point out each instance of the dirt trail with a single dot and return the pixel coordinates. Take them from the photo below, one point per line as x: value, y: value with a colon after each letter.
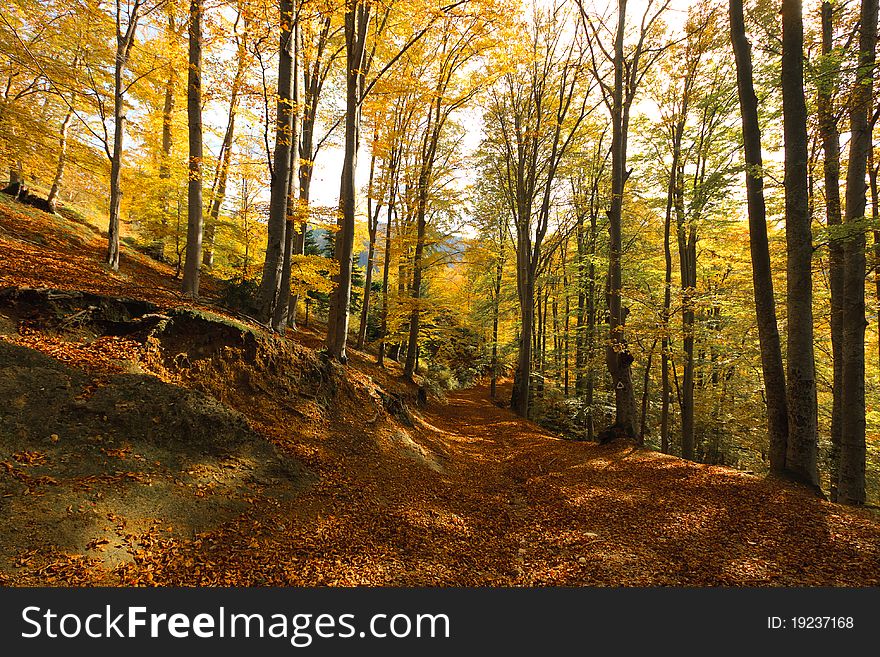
x: 581, y: 513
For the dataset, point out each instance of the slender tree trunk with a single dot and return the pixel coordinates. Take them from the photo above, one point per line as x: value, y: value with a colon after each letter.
x: 496, y: 306
x: 124, y: 42
x: 646, y: 384
x: 566, y: 330
x: 218, y: 191
x: 666, y: 389
x: 762, y: 278
x: 357, y: 18
x: 165, y: 157
x: 372, y: 229
x: 62, y: 160
x: 580, y: 341
x: 190, y: 284
x: 270, y: 284
x: 851, y: 487
x: 116, y: 162
x: 409, y: 366
x: 828, y: 131
x: 428, y: 154
x: 591, y: 323
x: 386, y: 271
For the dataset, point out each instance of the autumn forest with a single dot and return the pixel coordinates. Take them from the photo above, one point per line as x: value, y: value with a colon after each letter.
x: 567, y: 252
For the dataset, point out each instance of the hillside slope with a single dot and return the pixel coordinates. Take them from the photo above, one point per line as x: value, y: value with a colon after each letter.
x: 156, y: 442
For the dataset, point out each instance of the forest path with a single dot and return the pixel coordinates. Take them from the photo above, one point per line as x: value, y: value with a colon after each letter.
x: 581, y: 513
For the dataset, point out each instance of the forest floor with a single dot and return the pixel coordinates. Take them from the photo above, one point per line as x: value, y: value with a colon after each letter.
x: 172, y: 445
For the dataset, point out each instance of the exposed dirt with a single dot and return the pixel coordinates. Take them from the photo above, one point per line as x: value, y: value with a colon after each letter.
x: 88, y: 466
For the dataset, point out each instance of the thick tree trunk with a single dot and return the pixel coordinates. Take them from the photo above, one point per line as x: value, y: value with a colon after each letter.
x: 270, y: 284
x: 828, y: 131
x: 875, y: 221
x: 762, y: 278
x: 851, y: 486
x: 190, y: 284
x: 293, y: 242
x: 801, y: 455
x: 617, y: 355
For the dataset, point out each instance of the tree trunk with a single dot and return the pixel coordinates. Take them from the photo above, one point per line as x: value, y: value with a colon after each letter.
x: 851, y: 486
x: 875, y: 221
x: 800, y: 457
x: 165, y: 157
x: 666, y: 389
x: 617, y: 356
x: 496, y: 306
x: 687, y: 260
x: 372, y: 229
x: 829, y: 134
x: 762, y: 277
x: 190, y: 284
x: 280, y: 316
x: 357, y: 18
x: 386, y: 271
x: 646, y: 383
x: 62, y: 160
x: 218, y: 191
x: 519, y: 401
x: 270, y: 284
x: 116, y: 161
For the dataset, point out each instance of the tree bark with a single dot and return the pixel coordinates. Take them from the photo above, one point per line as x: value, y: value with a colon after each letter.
x: 830, y: 136
x: 270, y: 284
x: 51, y: 200
x: 617, y: 355
x: 124, y: 43
x: 218, y: 191
x: 762, y: 277
x: 386, y: 268
x: 687, y: 259
x: 646, y: 384
x: 851, y: 486
x: 190, y: 284
x: 372, y: 229
x: 357, y: 18
x: 801, y: 454
x: 293, y: 243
